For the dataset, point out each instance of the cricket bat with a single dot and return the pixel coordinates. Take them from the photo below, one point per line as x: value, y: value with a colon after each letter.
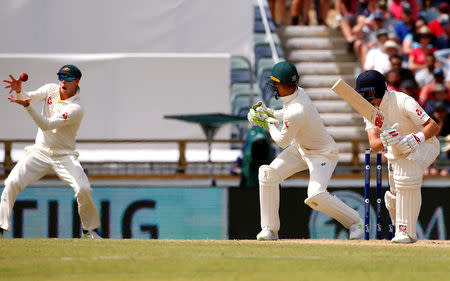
x: 360, y: 104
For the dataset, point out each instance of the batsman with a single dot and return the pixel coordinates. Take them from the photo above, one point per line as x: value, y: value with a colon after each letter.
x: 307, y: 146
x: 412, y: 146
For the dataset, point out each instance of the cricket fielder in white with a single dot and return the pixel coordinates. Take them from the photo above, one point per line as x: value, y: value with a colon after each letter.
x: 412, y: 146
x: 308, y: 146
x: 54, y: 148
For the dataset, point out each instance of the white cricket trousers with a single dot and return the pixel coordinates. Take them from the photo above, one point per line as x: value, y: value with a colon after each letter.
x: 37, y: 164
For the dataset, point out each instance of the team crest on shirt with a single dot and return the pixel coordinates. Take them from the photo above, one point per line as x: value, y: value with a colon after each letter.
x: 49, y: 101
x: 65, y: 115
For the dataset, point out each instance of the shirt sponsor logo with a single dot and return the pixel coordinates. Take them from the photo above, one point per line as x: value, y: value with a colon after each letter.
x: 49, y: 101
x: 65, y: 115
x: 419, y: 112
x: 379, y: 120
x: 402, y: 227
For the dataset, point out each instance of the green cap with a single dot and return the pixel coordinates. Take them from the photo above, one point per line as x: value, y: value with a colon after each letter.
x: 70, y: 70
x: 284, y: 72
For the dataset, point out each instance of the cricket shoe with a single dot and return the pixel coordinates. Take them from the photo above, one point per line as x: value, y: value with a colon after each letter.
x: 267, y: 234
x: 403, y: 238
x: 356, y: 230
x: 1, y: 233
x: 90, y: 235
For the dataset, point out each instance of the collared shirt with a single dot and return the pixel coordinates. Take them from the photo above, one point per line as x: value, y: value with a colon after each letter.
x: 59, y: 120
x: 302, y: 126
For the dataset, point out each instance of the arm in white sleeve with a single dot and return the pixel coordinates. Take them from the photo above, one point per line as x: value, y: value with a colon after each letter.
x: 38, y: 95
x: 73, y: 115
x: 288, y: 132
x: 278, y: 114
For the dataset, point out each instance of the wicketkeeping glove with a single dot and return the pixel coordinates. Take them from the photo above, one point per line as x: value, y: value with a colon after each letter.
x: 390, y: 136
x: 255, y: 119
x: 262, y: 108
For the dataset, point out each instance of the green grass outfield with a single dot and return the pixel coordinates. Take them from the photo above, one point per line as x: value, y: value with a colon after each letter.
x: 111, y: 259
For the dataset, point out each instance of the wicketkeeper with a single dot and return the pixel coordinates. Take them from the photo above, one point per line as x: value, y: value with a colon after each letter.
x: 308, y: 146
x: 412, y: 147
x: 54, y: 149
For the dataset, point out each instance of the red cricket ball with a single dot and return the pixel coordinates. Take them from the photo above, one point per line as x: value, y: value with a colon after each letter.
x: 23, y: 77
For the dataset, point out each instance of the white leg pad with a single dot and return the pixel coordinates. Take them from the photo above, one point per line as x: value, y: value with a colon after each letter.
x: 333, y: 207
x: 408, y: 180
x: 390, y: 201
x: 269, y: 197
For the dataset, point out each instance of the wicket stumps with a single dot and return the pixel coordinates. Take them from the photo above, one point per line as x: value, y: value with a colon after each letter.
x: 379, y: 171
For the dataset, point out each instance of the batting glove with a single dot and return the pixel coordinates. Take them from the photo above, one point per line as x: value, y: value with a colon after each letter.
x: 390, y: 136
x: 409, y: 143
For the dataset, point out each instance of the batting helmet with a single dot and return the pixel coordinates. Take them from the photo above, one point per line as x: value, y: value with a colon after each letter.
x: 371, y: 84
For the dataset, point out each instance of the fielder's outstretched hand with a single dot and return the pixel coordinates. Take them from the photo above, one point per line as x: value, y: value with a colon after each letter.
x: 24, y: 103
x: 14, y: 84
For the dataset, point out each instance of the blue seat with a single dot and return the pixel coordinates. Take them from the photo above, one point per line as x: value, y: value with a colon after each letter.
x: 259, y: 27
x: 264, y: 51
x: 260, y: 39
x: 258, y: 16
x: 240, y: 76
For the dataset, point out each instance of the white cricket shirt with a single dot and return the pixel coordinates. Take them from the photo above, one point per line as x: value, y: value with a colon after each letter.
x: 398, y: 107
x: 302, y: 126
x: 59, y: 121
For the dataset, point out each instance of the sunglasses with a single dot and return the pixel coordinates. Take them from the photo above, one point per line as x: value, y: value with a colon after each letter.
x: 66, y: 78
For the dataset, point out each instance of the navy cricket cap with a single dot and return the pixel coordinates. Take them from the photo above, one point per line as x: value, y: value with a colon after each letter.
x: 371, y: 84
x: 438, y: 72
x: 70, y: 70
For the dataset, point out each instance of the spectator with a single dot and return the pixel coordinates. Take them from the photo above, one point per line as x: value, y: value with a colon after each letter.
x: 440, y: 94
x: 408, y: 42
x: 443, y: 56
x: 300, y: 8
x: 436, y: 25
x: 366, y: 8
x: 378, y: 58
x: 393, y: 80
x: 426, y: 93
x: 406, y: 25
x: 442, y: 118
x: 322, y: 9
x: 278, y: 10
x: 441, y: 115
x: 443, y: 41
x: 399, y: 6
x: 389, y: 21
x: 406, y: 74
x: 425, y: 75
x: 375, y: 23
x: 440, y: 110
x: 346, y: 18
x: 416, y: 58
x: 409, y: 87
